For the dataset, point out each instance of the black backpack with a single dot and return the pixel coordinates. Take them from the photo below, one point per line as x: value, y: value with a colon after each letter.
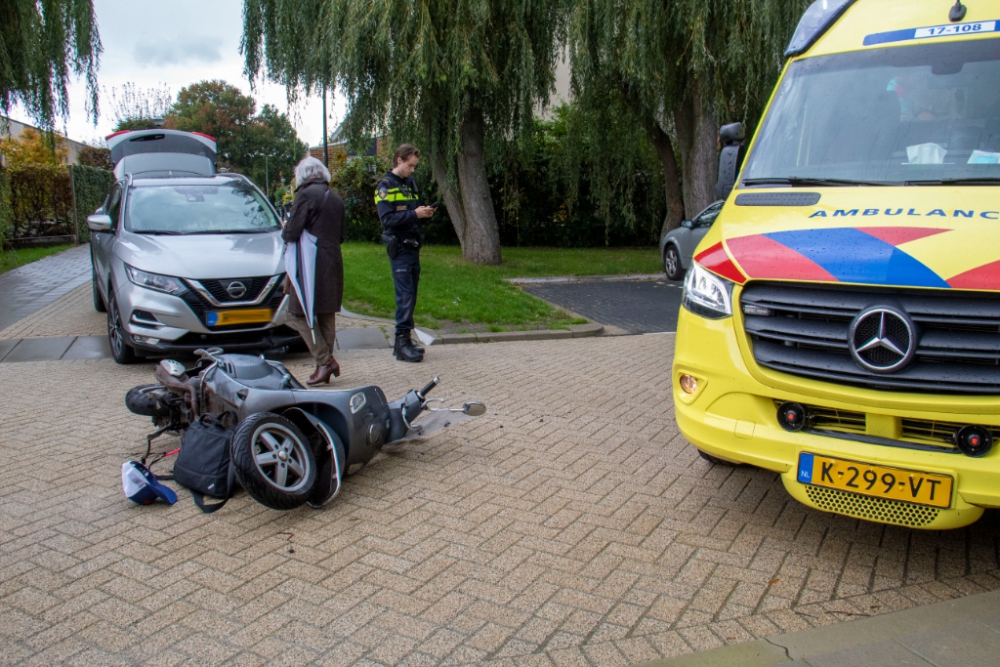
x: 203, y: 464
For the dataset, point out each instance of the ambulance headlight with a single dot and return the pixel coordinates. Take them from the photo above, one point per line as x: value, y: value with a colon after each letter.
x: 707, y: 294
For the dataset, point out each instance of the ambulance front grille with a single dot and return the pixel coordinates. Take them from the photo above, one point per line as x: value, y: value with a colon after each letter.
x: 871, y: 509
x: 806, y: 334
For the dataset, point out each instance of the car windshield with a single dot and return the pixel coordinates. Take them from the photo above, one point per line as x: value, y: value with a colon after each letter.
x: 231, y: 207
x: 904, y: 115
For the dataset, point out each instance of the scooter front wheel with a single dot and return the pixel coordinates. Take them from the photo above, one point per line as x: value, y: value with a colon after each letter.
x: 273, y: 461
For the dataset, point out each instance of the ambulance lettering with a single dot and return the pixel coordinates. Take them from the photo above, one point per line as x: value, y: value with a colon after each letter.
x: 912, y: 212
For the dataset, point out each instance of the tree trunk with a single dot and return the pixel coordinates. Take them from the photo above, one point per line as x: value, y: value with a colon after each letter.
x: 697, y: 139
x: 451, y: 197
x: 481, y: 244
x: 671, y: 177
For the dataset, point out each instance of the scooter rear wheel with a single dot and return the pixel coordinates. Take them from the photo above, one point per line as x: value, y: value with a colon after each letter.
x: 274, y: 461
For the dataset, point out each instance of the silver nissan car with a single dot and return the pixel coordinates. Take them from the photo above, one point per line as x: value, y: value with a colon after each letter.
x: 181, y: 263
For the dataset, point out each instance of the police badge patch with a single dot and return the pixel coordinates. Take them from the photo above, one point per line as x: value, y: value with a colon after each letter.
x: 383, y: 190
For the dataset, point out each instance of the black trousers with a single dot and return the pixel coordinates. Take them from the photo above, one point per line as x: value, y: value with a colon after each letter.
x: 405, y: 276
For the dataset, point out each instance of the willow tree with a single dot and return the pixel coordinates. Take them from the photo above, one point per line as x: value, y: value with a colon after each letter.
x: 42, y: 44
x: 281, y: 40
x: 681, y: 68
x: 457, y: 78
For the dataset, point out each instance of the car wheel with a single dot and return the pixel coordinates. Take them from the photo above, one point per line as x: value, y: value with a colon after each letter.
x: 98, y: 299
x: 672, y: 263
x: 274, y: 461
x: 122, y: 352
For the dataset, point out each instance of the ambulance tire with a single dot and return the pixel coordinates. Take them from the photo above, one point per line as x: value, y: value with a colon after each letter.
x: 716, y: 460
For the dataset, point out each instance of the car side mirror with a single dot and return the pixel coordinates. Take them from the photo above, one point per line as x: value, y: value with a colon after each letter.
x: 99, y: 222
x: 731, y: 138
x: 687, y: 224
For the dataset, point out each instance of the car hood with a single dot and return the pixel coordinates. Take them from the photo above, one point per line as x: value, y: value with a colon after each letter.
x: 928, y: 236
x: 204, y: 256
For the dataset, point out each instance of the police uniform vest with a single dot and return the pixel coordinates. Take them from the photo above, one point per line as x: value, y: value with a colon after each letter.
x: 396, y: 200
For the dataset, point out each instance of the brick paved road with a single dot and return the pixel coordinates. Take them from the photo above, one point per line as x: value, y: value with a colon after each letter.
x: 569, y: 526
x: 636, y: 306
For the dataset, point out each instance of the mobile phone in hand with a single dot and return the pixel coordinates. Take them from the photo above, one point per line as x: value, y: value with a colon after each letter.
x: 436, y: 204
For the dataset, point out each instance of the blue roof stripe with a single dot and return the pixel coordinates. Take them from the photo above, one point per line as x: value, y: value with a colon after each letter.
x: 893, y: 36
x: 851, y: 256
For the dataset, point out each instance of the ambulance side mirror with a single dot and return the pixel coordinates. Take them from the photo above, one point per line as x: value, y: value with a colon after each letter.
x: 731, y: 138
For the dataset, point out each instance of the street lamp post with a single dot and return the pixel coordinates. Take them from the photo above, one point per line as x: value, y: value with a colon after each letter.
x: 326, y: 148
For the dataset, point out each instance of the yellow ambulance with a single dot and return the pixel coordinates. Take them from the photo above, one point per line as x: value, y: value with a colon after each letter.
x: 841, y: 319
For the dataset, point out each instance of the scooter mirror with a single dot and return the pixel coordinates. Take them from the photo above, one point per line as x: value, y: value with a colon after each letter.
x: 474, y: 409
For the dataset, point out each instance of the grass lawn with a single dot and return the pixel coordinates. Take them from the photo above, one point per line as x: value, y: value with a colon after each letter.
x: 11, y: 259
x: 457, y: 295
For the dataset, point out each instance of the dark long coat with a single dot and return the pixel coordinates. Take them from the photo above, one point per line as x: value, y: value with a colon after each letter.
x: 326, y: 223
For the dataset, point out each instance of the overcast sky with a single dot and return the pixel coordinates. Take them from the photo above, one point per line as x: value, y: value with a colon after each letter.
x: 177, y: 43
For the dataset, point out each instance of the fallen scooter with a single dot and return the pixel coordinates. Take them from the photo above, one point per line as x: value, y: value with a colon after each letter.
x: 291, y: 445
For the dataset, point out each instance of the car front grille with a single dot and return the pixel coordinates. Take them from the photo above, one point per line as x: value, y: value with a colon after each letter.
x: 807, y: 329
x: 219, y: 289
x: 200, y: 306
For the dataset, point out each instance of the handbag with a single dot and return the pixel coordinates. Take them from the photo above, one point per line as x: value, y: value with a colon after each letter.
x: 204, y: 464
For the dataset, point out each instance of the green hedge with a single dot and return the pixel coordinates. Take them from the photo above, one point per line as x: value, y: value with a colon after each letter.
x: 37, y: 199
x: 355, y: 178
x: 5, y: 213
x: 41, y: 200
x: 91, y: 185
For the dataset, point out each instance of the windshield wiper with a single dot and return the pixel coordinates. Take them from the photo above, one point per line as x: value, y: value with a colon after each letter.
x: 159, y: 233
x: 972, y: 180
x: 795, y: 181
x: 235, y: 231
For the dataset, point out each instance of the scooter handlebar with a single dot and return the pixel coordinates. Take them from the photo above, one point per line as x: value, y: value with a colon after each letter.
x: 430, y: 385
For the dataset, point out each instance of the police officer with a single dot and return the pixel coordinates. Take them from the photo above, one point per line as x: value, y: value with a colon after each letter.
x: 400, y: 212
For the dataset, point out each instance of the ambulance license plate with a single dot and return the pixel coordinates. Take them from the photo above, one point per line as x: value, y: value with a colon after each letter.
x: 910, y: 486
x: 225, y: 318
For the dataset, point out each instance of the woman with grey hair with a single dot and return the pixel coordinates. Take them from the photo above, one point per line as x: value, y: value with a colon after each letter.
x: 319, y: 211
x: 310, y: 168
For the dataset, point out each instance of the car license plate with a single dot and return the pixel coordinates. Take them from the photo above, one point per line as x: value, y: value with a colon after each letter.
x: 910, y: 486
x: 230, y: 317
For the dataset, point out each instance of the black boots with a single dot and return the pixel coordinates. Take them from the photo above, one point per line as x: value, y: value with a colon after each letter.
x: 405, y: 350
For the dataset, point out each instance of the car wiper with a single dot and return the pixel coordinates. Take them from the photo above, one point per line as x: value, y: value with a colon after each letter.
x: 159, y: 233
x: 973, y: 180
x: 235, y: 231
x: 795, y: 181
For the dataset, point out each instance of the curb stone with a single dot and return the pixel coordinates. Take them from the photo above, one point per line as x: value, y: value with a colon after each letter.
x: 429, y: 338
x: 966, y: 628
x: 574, y: 331
x: 626, y: 277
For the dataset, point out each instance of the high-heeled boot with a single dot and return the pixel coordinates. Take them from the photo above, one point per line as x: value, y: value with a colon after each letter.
x: 323, y: 373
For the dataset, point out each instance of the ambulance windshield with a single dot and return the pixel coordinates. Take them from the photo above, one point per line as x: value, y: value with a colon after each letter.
x: 905, y: 115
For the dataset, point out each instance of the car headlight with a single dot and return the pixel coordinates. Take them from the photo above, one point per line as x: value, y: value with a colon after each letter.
x: 707, y: 294
x: 155, y: 281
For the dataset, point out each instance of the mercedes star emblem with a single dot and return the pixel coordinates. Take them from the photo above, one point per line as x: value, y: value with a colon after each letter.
x: 236, y: 289
x: 882, y: 339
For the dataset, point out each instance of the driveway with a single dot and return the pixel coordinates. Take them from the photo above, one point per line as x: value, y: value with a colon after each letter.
x: 572, y: 525
x: 632, y: 306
